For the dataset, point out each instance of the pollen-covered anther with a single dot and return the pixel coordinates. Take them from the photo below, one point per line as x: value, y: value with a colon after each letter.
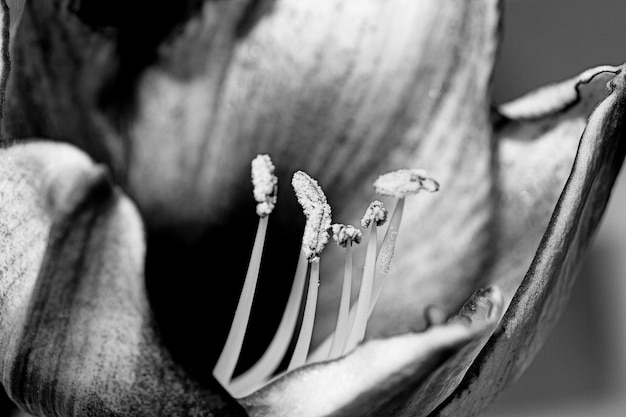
x: 405, y: 182
x: 317, y: 212
x: 346, y: 234
x: 265, y: 184
x: 376, y: 212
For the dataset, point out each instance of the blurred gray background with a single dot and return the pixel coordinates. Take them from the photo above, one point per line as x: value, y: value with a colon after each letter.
x: 581, y: 370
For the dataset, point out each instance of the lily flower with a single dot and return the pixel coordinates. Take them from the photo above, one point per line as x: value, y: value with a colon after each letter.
x: 127, y: 218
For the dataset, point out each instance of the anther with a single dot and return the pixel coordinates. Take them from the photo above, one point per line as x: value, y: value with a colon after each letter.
x: 265, y: 184
x: 405, y: 182
x: 376, y: 212
x: 317, y: 213
x: 344, y: 235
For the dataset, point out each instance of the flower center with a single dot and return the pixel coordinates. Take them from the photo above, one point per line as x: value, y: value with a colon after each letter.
x: 292, y: 341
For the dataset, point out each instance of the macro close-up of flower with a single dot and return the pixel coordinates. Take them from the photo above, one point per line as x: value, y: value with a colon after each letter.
x: 415, y: 242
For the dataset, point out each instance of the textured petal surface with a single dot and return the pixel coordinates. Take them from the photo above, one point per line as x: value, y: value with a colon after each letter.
x: 76, y: 334
x: 401, y: 376
x: 543, y: 292
x: 311, y: 84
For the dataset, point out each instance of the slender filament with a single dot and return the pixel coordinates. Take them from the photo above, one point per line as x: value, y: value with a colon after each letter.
x: 265, y: 367
x: 227, y: 361
x: 357, y: 332
x: 386, y: 252
x: 343, y: 318
x: 306, y: 330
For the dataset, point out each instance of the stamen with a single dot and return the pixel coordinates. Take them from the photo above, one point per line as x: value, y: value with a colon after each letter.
x: 351, y: 322
x: 265, y: 185
x: 375, y: 216
x: 344, y: 236
x: 400, y: 184
x: 317, y: 213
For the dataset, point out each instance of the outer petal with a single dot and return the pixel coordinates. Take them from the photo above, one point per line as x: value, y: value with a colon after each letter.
x: 537, y: 137
x: 404, y: 375
x: 76, y: 334
x: 541, y: 296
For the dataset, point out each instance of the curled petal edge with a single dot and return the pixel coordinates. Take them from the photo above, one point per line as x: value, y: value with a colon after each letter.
x: 538, y: 137
x: 542, y: 295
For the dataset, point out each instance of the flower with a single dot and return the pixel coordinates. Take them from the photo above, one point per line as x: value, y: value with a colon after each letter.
x: 345, y: 90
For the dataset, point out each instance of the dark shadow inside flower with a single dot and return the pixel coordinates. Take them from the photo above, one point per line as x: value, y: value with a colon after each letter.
x: 122, y: 15
x: 194, y: 285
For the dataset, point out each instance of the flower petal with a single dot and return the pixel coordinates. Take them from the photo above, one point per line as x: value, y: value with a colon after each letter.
x: 541, y: 297
x: 76, y: 333
x: 403, y: 375
x: 538, y: 136
x: 241, y: 77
